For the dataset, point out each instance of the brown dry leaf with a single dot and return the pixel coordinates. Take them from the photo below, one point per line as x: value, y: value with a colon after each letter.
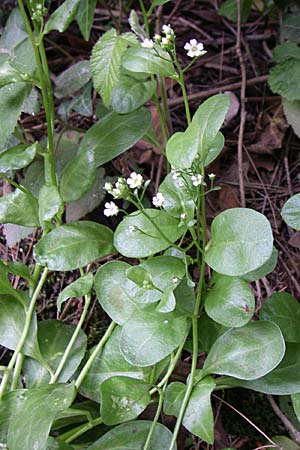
x: 269, y: 134
x: 294, y: 240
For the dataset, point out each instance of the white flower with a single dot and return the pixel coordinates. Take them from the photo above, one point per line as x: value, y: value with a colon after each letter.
x: 148, y: 43
x: 165, y: 40
x: 135, y: 180
x: 196, y: 179
x: 181, y: 183
x: 157, y: 38
x: 108, y: 187
x: 132, y: 228
x: 158, y: 200
x: 194, y: 48
x: 211, y: 176
x: 167, y: 29
x: 183, y: 216
x: 175, y: 174
x: 111, y: 209
x: 175, y: 280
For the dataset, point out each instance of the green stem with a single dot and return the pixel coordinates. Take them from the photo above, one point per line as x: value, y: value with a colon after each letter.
x: 156, y: 417
x: 17, y: 371
x: 183, y: 88
x: 25, y: 332
x: 16, y: 185
x: 71, y: 435
x: 69, y: 348
x: 94, y: 355
x: 163, y: 94
x: 44, y: 78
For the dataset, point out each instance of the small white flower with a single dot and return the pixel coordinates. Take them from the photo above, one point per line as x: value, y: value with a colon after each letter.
x: 181, y: 184
x: 212, y: 176
x: 148, y: 43
x: 165, y: 40
x: 157, y: 38
x: 175, y: 280
x: 111, y: 209
x: 108, y: 187
x: 175, y: 174
x: 168, y: 30
x: 158, y: 200
x: 183, y: 216
x: 135, y: 180
x: 196, y: 179
x: 194, y: 48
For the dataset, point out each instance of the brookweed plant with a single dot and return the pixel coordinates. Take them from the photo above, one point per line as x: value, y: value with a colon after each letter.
x: 54, y: 393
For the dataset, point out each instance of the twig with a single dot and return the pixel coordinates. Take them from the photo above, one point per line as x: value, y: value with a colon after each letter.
x: 288, y: 425
x: 243, y: 108
x: 226, y: 87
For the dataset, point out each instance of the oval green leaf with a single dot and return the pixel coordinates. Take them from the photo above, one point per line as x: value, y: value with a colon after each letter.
x: 149, y: 336
x: 230, y: 302
x: 264, y: 270
x: 17, y: 157
x: 61, y: 18
x: 291, y: 212
x: 123, y: 399
x: 139, y: 59
x: 246, y: 353
x: 133, y: 435
x: 81, y: 286
x: 129, y: 94
x: 107, y: 138
x: 19, y: 208
x: 241, y: 241
x: 152, y: 233
x: 74, y: 245
x: 284, y: 310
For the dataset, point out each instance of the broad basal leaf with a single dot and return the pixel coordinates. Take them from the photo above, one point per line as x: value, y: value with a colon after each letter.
x: 106, y: 61
x: 123, y: 399
x: 149, y: 336
x: 208, y: 332
x: 241, y: 241
x: 284, y: 310
x: 19, y: 208
x: 263, y: 270
x: 50, y: 204
x: 133, y: 436
x: 107, y: 138
x: 247, y: 353
x: 129, y: 94
x: 230, y: 301
x: 151, y: 234
x: 110, y: 363
x: 74, y: 245
x: 291, y: 212
x: 292, y: 112
x: 72, y: 79
x: 284, y: 79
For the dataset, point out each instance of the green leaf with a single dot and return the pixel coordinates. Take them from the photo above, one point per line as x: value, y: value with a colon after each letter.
x: 285, y: 443
x: 129, y: 94
x: 82, y: 103
x: 15, y: 268
x: 123, y: 399
x: 50, y: 204
x: 241, y: 241
x: 229, y: 9
x: 230, y: 302
x: 202, y: 137
x: 284, y: 310
x: 179, y: 199
x: 85, y: 17
x: 74, y: 245
x: 72, y: 79
x: 215, y: 149
x: 145, y: 60
x: 149, y: 336
x: 12, y: 323
x: 287, y: 50
x: 106, y: 62
x: 56, y: 444
x: 296, y: 404
x: 168, y: 301
x: 9, y: 75
x: 110, y: 363
x: 292, y: 113
x: 246, y: 353
x: 147, y: 239
x: 284, y: 79
x: 78, y: 176
x: 159, y: 2
x: 133, y: 435
x: 283, y: 380
x: 17, y: 157
x: 140, y: 276
x: 61, y: 18
x: 107, y: 138
x: 115, y: 292
x: 198, y: 417
x: 53, y: 339
x: 290, y: 23
x: 19, y: 208
x: 80, y: 287
x: 263, y: 270
x: 291, y: 212
x: 6, y: 287
x: 34, y: 410
x: 208, y: 332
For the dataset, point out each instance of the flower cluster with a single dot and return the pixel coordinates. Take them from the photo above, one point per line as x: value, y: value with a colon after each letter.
x: 194, y: 48
x: 166, y: 42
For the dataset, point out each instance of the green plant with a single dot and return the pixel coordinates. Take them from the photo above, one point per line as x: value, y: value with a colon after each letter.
x: 155, y: 306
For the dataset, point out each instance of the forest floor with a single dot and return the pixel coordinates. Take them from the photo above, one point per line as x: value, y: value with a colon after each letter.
x: 263, y: 179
